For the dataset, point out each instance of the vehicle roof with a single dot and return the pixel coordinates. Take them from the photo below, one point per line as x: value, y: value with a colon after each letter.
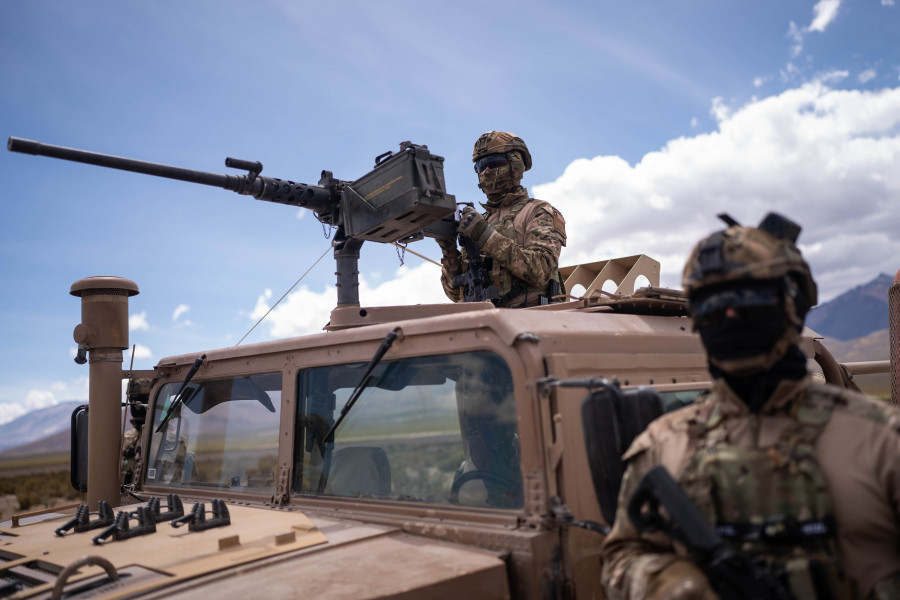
x: 575, y: 328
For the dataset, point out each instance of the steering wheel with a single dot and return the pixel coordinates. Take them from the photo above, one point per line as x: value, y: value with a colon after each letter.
x: 464, y: 478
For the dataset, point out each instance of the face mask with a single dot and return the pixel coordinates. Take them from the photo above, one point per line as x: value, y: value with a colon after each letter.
x: 496, y: 180
x: 499, y: 173
x: 741, y: 324
x: 743, y: 337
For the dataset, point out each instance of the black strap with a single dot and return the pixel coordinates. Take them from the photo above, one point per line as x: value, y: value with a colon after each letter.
x: 781, y: 531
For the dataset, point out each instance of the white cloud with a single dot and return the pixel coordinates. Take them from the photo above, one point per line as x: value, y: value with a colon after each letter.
x: 825, y: 158
x: 49, y: 395
x: 825, y: 12
x: 142, y: 352
x: 36, y: 399
x: 789, y: 72
x: 867, y: 75
x: 180, y: 310
x: 719, y: 109
x: 10, y: 411
x: 834, y: 76
x: 888, y: 2
x: 138, y: 322
x: 796, y: 35
x: 305, y: 311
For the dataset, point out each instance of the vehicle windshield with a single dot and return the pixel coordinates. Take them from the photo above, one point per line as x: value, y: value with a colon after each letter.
x: 434, y: 429
x: 224, y: 435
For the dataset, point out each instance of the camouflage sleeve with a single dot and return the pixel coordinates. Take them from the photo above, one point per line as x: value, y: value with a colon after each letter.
x: 631, y: 560
x: 451, y: 265
x: 535, y: 261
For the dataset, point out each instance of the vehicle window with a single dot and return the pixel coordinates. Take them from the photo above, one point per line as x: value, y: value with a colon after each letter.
x: 435, y: 429
x: 223, y: 435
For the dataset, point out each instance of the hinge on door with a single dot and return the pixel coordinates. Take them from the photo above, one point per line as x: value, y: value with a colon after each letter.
x: 554, y: 446
x: 282, y: 489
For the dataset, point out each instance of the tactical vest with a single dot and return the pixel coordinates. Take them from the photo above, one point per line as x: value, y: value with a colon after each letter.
x: 514, y: 225
x: 772, y: 503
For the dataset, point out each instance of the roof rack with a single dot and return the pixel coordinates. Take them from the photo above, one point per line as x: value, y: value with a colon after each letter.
x: 623, y: 272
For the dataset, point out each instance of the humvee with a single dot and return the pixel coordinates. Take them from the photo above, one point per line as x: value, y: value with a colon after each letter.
x: 432, y: 451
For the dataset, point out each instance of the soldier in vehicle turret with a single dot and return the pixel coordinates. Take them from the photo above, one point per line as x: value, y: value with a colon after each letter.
x: 519, y: 237
x: 800, y: 475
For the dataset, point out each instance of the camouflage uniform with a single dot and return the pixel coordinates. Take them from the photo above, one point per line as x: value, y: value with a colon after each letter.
x: 131, y: 455
x: 857, y: 448
x: 138, y: 394
x: 521, y: 237
x: 801, y: 475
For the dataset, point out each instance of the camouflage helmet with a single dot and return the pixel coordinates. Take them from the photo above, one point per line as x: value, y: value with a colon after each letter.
x: 500, y: 142
x: 740, y: 254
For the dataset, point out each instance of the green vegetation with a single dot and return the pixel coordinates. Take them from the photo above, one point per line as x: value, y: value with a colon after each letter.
x: 36, y: 489
x: 28, y: 464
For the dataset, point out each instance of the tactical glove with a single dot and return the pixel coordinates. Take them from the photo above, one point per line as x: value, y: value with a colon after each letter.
x: 472, y: 225
x: 680, y: 580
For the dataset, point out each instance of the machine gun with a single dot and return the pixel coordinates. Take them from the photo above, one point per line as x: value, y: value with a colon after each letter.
x: 402, y: 199
x: 732, y: 574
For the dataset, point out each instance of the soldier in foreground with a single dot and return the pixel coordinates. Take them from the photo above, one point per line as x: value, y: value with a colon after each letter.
x: 802, y: 475
x: 518, y: 237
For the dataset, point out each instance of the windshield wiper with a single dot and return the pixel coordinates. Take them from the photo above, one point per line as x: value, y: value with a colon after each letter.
x: 178, y: 399
x: 363, y: 382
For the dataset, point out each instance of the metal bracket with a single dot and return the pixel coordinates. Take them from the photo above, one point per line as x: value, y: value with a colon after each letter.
x: 81, y: 522
x: 197, y: 520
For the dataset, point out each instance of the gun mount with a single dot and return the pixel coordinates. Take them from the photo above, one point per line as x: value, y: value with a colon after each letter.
x: 403, y: 198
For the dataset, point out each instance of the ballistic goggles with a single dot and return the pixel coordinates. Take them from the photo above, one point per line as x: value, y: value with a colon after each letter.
x: 491, y: 161
x: 749, y: 302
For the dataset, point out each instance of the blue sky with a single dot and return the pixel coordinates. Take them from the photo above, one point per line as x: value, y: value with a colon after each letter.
x: 644, y: 119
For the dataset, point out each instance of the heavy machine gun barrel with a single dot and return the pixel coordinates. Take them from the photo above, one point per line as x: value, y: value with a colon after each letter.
x: 253, y: 184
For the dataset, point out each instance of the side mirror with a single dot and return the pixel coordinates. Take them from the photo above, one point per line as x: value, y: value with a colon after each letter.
x: 78, y: 455
x: 612, y: 418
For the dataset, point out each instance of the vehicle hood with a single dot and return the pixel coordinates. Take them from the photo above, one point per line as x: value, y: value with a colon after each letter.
x: 278, y: 553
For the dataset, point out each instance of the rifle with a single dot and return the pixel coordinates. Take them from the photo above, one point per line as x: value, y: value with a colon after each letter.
x: 476, y: 282
x: 402, y: 199
x: 733, y: 574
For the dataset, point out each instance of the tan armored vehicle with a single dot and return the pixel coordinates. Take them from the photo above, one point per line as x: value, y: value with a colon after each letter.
x: 439, y: 451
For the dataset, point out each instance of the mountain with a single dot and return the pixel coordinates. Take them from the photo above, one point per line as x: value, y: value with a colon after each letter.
x: 855, y: 313
x: 875, y: 346
x: 37, y: 425
x: 58, y: 443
